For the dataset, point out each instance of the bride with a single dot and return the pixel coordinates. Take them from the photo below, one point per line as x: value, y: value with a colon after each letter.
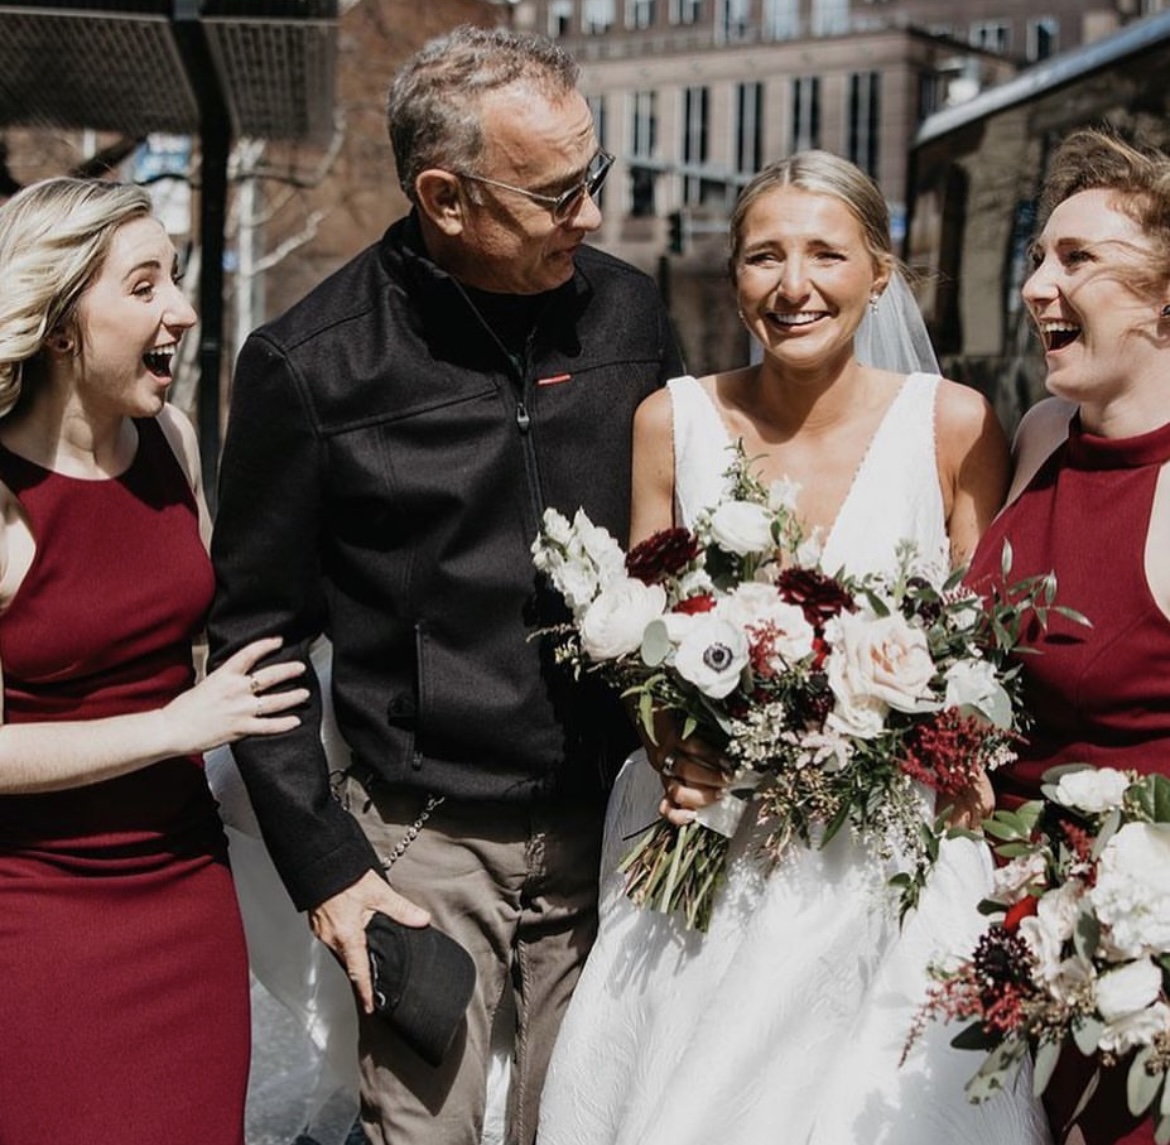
x: 786, y: 1021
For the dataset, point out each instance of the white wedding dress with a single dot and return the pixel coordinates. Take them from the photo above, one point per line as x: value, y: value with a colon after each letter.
x: 784, y: 1024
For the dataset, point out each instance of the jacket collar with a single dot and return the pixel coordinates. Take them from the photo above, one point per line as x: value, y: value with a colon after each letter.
x: 451, y: 325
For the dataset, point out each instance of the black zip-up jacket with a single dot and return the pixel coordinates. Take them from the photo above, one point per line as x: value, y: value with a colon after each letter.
x: 386, y: 466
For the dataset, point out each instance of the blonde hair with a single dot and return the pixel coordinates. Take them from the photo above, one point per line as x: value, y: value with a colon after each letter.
x: 54, y: 238
x: 822, y: 173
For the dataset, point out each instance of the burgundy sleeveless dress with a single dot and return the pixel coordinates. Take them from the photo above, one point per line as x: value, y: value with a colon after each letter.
x: 1098, y: 695
x: 124, y: 1013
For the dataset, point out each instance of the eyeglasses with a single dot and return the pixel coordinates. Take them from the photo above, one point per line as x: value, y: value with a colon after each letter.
x: 562, y: 207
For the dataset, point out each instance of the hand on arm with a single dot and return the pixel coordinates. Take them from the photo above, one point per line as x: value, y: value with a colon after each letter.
x: 231, y: 703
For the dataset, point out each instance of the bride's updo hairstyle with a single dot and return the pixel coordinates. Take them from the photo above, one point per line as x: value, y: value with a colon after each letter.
x: 54, y: 237
x: 821, y: 173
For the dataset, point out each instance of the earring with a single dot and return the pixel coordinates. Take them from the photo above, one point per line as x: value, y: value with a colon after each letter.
x: 742, y: 319
x: 873, y: 301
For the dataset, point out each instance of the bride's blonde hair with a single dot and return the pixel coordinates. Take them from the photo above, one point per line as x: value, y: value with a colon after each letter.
x: 54, y: 237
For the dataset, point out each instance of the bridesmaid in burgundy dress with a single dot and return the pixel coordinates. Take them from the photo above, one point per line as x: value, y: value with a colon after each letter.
x: 123, y: 973
x: 1091, y: 501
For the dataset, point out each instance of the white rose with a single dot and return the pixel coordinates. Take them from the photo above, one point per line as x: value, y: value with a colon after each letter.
x: 884, y: 658
x: 973, y: 683
x: 1093, y: 789
x: 1132, y: 893
x: 614, y: 623
x: 742, y: 527
x: 712, y: 655
x: 1128, y: 989
x: 755, y: 605
x: 1010, y: 882
x: 1137, y: 1029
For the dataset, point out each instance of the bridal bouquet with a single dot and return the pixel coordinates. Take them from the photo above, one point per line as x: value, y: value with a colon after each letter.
x: 1078, y: 952
x: 829, y: 694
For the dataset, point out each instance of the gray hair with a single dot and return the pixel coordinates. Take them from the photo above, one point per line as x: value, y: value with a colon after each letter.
x: 822, y: 173
x: 54, y: 237
x: 433, y: 111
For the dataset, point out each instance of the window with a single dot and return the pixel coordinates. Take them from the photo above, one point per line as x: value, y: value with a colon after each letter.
x: 749, y: 128
x: 560, y: 18
x: 1043, y: 37
x: 597, y: 110
x: 806, y: 112
x: 732, y: 20
x: 685, y: 11
x: 782, y: 19
x: 696, y: 104
x: 643, y: 141
x: 865, y: 119
x: 597, y: 16
x: 645, y: 124
x: 830, y: 17
x: 640, y: 13
x: 991, y: 36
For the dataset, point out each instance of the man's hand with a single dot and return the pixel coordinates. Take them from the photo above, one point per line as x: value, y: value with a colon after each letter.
x: 340, y: 923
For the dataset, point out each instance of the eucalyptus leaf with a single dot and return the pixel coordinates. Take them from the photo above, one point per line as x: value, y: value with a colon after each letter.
x: 1161, y: 786
x: 1107, y: 830
x: 973, y: 1037
x: 1141, y: 1087
x: 1086, y: 1032
x: 1047, y: 1055
x: 1086, y: 935
x: 1162, y: 1132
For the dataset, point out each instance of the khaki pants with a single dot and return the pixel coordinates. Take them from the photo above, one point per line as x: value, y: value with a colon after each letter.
x: 517, y: 886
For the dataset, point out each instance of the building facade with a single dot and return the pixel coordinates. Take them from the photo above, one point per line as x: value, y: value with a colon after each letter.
x: 694, y: 96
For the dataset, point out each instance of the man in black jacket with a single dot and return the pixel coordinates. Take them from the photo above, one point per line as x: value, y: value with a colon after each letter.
x: 393, y: 441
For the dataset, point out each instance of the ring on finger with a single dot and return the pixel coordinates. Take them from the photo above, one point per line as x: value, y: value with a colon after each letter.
x: 669, y: 761
x: 253, y: 684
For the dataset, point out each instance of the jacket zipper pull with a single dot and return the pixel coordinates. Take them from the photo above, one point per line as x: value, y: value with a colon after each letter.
x: 522, y: 418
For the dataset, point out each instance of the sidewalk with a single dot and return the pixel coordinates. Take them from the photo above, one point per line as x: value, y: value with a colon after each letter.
x: 280, y: 1063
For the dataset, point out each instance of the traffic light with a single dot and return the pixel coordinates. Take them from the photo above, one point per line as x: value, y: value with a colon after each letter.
x: 675, y: 243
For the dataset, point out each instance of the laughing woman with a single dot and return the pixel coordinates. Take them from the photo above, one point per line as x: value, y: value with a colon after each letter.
x: 123, y: 973
x: 1091, y: 500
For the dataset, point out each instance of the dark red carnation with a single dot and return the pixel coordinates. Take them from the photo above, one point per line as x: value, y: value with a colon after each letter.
x: 818, y: 596
x: 665, y: 553
x: 693, y: 604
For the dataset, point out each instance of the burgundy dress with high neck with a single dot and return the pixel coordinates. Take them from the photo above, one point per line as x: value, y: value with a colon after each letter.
x: 1099, y: 694
x: 123, y: 971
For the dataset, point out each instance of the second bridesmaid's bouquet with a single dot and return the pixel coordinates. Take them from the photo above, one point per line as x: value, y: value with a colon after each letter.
x: 1076, y: 958
x: 832, y: 695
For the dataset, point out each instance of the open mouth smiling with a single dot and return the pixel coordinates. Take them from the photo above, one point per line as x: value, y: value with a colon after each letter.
x: 1058, y: 335
x: 792, y: 321
x: 160, y: 360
